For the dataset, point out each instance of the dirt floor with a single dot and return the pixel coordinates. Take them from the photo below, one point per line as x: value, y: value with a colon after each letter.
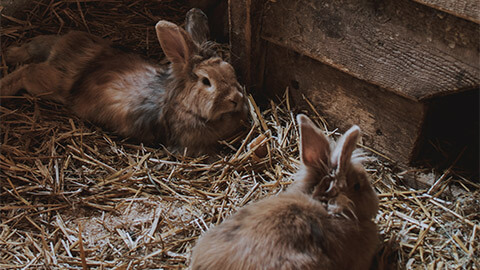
x: 74, y: 196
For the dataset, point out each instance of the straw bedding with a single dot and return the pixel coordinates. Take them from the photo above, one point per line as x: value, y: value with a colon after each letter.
x: 76, y: 197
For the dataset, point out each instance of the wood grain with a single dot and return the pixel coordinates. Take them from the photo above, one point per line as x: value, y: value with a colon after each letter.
x: 246, y: 45
x: 370, y: 42
x: 10, y: 7
x: 390, y: 123
x: 467, y: 9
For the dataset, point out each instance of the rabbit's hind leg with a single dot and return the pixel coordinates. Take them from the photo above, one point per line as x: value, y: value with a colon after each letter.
x: 36, y: 51
x: 12, y: 83
x: 38, y: 79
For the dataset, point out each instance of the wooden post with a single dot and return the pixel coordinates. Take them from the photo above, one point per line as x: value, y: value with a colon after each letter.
x: 245, y: 19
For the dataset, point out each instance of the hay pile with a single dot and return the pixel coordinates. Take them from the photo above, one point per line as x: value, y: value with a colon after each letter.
x: 74, y: 196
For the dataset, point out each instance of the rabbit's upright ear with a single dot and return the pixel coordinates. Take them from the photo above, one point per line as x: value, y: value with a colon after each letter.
x: 176, y: 43
x: 314, y: 146
x: 343, y: 151
x: 196, y: 24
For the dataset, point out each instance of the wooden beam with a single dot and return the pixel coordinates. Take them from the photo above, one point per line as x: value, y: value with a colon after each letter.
x: 245, y: 21
x: 398, y: 45
x: 466, y: 9
x: 390, y: 123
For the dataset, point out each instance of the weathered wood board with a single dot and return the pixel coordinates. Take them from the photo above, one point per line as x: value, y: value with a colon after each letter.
x: 245, y: 19
x: 467, y: 9
x: 387, y: 120
x: 367, y: 42
x: 9, y: 7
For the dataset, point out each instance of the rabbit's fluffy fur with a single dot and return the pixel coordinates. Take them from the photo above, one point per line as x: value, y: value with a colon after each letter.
x: 304, y: 227
x: 193, y: 103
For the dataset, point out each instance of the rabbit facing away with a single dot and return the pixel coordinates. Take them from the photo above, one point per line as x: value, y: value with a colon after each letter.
x: 191, y: 104
x: 302, y: 228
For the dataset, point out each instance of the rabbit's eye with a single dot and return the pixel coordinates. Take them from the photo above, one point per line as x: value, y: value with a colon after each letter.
x: 206, y: 81
x: 356, y: 187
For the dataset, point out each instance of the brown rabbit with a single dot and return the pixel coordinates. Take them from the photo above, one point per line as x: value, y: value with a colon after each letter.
x: 193, y: 103
x: 294, y: 230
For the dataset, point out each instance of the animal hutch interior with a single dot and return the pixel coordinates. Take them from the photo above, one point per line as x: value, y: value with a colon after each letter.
x: 407, y: 72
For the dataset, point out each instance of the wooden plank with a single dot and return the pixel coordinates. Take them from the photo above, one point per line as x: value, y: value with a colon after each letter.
x: 390, y: 123
x: 10, y: 7
x: 240, y: 37
x: 245, y: 20
x: 466, y: 9
x: 400, y: 45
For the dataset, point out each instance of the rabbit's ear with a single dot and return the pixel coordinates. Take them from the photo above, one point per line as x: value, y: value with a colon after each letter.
x: 314, y: 146
x: 343, y: 151
x: 196, y: 24
x: 176, y: 43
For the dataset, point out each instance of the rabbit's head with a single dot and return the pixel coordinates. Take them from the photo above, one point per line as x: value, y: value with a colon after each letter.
x: 205, y: 85
x: 334, y: 171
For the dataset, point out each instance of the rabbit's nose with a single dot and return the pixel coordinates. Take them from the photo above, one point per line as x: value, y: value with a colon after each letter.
x: 236, y: 99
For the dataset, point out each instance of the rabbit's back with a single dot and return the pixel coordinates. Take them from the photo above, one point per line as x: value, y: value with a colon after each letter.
x: 72, y: 55
x: 270, y: 234
x: 105, y: 85
x: 123, y: 92
x: 289, y: 231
